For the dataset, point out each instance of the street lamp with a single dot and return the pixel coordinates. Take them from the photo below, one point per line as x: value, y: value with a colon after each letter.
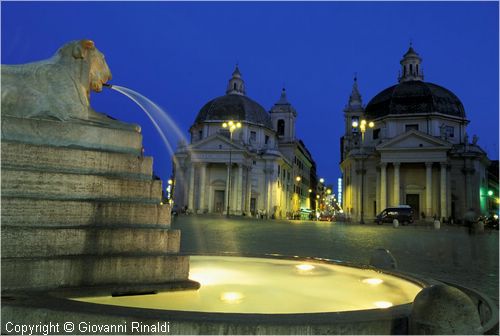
x: 362, y: 127
x: 170, y: 190
x: 231, y: 126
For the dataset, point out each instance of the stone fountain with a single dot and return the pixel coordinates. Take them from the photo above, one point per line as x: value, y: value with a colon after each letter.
x: 79, y: 205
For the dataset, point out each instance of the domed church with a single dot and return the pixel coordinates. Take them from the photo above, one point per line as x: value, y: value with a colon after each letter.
x: 243, y: 160
x: 409, y: 146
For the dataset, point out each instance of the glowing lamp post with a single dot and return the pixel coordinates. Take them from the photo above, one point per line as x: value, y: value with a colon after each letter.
x: 362, y: 127
x: 170, y: 190
x: 231, y: 126
x: 363, y: 124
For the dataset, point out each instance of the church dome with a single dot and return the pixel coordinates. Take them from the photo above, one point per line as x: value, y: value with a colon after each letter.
x: 415, y: 97
x: 234, y: 107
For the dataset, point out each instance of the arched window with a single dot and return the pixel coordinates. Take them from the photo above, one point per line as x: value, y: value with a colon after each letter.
x: 234, y: 86
x: 417, y: 68
x: 411, y: 69
x: 281, y: 127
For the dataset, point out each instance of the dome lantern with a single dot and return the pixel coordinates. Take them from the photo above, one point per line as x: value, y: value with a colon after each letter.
x: 236, y: 84
x: 411, y: 69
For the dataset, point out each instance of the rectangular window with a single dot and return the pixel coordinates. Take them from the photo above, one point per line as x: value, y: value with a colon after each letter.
x: 450, y: 131
x: 376, y: 134
x: 253, y: 136
x: 411, y: 127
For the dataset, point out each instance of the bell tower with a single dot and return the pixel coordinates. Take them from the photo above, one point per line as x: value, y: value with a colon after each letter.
x: 353, y: 112
x: 283, y: 117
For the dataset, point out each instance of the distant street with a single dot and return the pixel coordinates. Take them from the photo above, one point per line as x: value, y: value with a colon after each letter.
x: 447, y: 254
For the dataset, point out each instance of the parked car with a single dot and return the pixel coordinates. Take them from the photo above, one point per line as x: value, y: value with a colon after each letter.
x: 403, y: 213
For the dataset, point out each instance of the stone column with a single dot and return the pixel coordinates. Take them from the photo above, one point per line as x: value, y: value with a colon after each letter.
x: 444, y: 202
x: 226, y: 194
x: 239, y: 189
x: 266, y: 190
x: 203, y: 188
x: 377, y: 190
x: 396, y: 183
x: 428, y: 190
x: 357, y: 190
x: 248, y: 191
x: 191, y: 188
x: 468, y: 185
x: 383, y: 186
x: 234, y: 193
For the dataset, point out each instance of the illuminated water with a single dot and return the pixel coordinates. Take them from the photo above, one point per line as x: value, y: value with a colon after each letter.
x: 163, y: 123
x: 160, y: 119
x: 274, y: 286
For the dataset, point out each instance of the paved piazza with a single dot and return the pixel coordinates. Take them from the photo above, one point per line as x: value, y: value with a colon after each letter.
x: 447, y: 254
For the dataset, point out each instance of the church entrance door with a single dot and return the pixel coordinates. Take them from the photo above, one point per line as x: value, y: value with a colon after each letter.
x: 413, y: 200
x: 218, y: 201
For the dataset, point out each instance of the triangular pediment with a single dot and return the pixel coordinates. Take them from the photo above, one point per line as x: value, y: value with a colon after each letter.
x: 414, y: 139
x: 216, y: 142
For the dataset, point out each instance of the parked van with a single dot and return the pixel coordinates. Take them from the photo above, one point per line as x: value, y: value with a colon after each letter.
x: 403, y: 213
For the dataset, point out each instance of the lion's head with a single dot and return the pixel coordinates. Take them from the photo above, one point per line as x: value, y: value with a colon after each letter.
x: 99, y: 72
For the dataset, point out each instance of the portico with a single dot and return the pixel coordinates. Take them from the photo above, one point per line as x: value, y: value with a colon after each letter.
x: 414, y: 172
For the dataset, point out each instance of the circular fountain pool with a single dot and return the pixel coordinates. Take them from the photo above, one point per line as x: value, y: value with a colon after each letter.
x: 275, y: 286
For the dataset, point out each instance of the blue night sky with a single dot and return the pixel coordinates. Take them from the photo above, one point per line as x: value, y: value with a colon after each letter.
x: 181, y: 55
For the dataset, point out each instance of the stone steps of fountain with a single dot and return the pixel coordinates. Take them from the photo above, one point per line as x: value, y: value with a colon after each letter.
x: 91, y: 270
x: 53, y: 213
x: 64, y: 186
x: 70, y: 134
x: 80, y: 208
x: 19, y: 156
x: 50, y: 242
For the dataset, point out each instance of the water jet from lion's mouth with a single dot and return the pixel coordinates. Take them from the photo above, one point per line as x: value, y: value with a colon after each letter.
x: 159, y: 117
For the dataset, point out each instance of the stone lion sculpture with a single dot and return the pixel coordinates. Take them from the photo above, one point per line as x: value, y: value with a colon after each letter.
x: 58, y: 87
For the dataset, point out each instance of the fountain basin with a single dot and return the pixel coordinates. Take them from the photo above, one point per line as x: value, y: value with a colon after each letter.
x: 242, y: 296
x: 275, y: 286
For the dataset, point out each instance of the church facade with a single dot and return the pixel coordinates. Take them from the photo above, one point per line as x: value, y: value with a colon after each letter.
x: 409, y: 146
x: 257, y: 168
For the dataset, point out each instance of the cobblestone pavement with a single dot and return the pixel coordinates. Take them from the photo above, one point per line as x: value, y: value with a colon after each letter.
x: 446, y: 254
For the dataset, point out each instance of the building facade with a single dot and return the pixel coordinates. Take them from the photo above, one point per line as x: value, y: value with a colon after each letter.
x: 260, y: 168
x: 409, y: 145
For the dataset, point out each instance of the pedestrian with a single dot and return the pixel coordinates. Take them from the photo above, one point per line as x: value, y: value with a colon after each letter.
x: 470, y: 217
